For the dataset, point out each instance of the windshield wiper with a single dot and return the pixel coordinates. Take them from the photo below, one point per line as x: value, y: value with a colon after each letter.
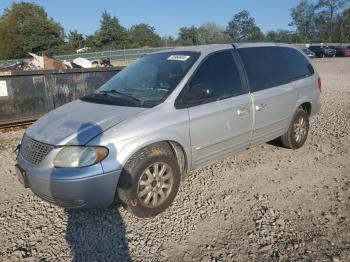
x: 113, y: 91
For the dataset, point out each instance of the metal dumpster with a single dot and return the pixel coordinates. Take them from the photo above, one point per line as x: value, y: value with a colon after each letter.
x: 27, y: 95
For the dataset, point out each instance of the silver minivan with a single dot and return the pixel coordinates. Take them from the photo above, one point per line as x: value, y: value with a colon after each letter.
x: 138, y: 135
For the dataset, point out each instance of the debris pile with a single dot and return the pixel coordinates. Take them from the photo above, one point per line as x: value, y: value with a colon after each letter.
x: 11, y: 66
x: 45, y: 62
x: 48, y: 63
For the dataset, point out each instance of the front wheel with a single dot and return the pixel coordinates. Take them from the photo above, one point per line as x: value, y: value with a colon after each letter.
x: 150, y: 181
x: 298, y: 131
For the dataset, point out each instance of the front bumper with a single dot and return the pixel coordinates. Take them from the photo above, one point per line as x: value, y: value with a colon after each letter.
x: 87, y: 187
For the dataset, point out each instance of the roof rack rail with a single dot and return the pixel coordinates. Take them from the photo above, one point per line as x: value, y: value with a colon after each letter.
x: 254, y: 41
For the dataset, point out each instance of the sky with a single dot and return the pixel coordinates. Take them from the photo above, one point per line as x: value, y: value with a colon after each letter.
x: 165, y: 16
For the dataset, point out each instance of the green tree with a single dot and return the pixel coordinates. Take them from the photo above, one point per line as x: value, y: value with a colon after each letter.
x: 111, y: 34
x: 283, y: 36
x: 211, y: 33
x: 242, y: 27
x: 76, y: 40
x: 168, y: 41
x: 329, y: 10
x: 303, y: 18
x: 188, y: 36
x: 324, y: 21
x: 144, y: 35
x: 341, y: 27
x: 344, y: 26
x: 25, y: 27
x: 92, y: 42
x: 9, y: 42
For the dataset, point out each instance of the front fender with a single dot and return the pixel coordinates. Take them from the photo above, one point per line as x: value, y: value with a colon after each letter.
x: 136, y: 144
x: 158, y: 124
x: 121, y: 151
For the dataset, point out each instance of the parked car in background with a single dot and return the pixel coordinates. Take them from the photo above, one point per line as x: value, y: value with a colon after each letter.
x: 322, y: 51
x: 309, y: 53
x: 341, y: 51
x: 168, y: 113
x: 329, y: 51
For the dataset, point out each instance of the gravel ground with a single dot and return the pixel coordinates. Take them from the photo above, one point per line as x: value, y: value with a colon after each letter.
x: 264, y: 204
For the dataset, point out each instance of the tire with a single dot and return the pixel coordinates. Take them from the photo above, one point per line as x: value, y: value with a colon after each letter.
x: 298, y: 131
x: 150, y: 181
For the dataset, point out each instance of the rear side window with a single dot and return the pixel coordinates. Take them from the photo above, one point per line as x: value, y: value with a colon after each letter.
x: 220, y: 73
x: 298, y: 65
x: 265, y: 67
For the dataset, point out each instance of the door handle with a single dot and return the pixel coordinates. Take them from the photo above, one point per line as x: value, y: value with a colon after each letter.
x: 243, y: 111
x: 261, y: 107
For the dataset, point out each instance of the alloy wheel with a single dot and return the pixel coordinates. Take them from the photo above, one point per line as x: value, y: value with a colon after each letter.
x: 300, y: 130
x: 155, y: 184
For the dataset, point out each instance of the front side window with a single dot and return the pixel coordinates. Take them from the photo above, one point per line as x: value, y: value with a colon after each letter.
x: 265, y: 67
x: 147, y: 82
x: 219, y: 73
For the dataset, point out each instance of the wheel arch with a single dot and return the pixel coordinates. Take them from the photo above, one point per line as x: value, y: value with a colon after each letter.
x: 181, y: 152
x: 305, y: 104
x: 181, y: 157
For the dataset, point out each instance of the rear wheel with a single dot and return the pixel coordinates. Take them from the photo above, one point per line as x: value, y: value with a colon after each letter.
x: 297, y: 132
x: 149, y: 181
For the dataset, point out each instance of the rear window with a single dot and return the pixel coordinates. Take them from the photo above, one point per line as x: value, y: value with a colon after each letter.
x: 265, y: 67
x: 298, y: 65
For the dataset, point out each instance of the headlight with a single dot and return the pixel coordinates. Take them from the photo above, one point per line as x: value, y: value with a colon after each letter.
x: 80, y: 156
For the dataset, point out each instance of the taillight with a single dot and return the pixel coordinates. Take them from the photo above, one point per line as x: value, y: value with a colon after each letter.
x: 319, y: 84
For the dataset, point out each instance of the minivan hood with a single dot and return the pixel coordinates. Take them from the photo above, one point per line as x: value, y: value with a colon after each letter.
x: 77, y: 122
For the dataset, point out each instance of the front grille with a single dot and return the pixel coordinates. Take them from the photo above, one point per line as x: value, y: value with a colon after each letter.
x: 34, y: 151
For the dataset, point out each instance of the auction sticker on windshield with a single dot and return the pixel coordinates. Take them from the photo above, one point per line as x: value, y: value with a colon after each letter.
x: 178, y: 57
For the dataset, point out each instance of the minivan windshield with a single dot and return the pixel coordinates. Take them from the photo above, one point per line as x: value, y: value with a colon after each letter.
x: 147, y: 82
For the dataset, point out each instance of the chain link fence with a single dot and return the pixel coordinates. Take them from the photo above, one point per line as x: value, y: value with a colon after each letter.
x: 125, y: 56
x: 132, y: 54
x: 119, y: 56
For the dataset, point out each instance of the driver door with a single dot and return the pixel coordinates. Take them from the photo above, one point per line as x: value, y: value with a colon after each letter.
x: 222, y: 122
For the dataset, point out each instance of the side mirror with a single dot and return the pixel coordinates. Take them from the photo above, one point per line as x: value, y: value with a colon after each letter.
x: 198, y: 93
